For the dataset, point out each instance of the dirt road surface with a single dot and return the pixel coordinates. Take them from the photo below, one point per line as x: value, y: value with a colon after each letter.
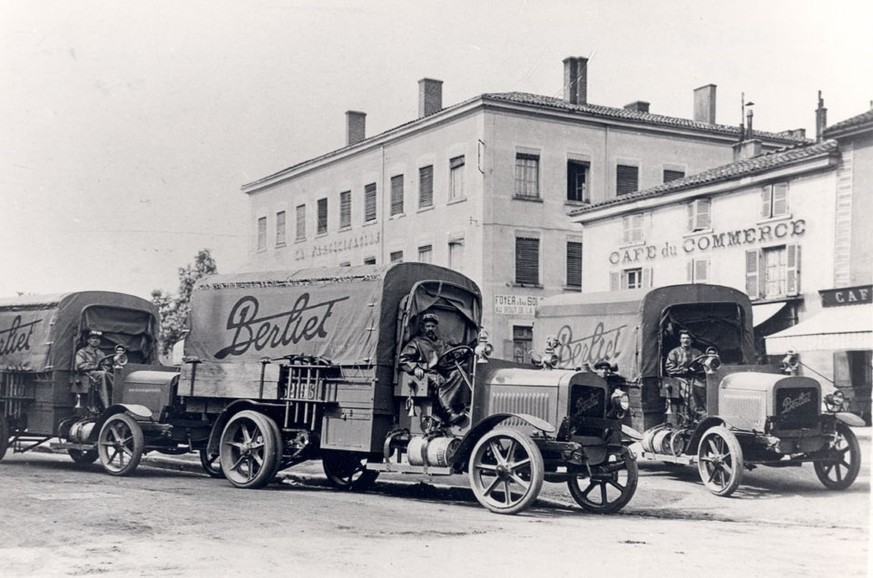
x: 61, y: 519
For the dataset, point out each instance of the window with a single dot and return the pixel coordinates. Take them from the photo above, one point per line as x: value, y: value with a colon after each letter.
x: 425, y: 254
x: 698, y: 270
x: 522, y: 343
x: 280, y: 228
x: 369, y: 260
x: 262, y: 234
x: 574, y: 264
x: 301, y: 223
x: 638, y: 278
x: 322, y: 217
x: 672, y: 175
x: 527, y: 176
x: 397, y: 195
x: 456, y: 178
x: 577, y: 182
x: 773, y: 272
x: 345, y: 209
x: 425, y: 187
x: 396, y: 256
x: 774, y: 200
x: 627, y: 179
x: 700, y: 215
x: 370, y: 203
x: 854, y: 369
x: 527, y: 261
x: 456, y: 255
x: 632, y: 228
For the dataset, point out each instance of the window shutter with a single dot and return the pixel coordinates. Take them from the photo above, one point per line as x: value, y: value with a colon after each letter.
x: 691, y: 216
x: 704, y: 213
x: 626, y: 179
x: 345, y: 209
x: 574, y: 264
x: 793, y: 270
x: 614, y: 281
x: 780, y: 199
x: 301, y: 223
x: 397, y: 195
x: 701, y: 271
x: 425, y: 186
x: 765, y: 202
x: 322, y: 216
x: 647, y: 277
x: 689, y: 270
x: 527, y: 261
x: 753, y: 274
x: 370, y: 202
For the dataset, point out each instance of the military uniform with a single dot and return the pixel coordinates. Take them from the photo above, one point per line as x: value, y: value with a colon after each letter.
x: 692, y: 388
x: 422, y: 352
x: 88, y: 362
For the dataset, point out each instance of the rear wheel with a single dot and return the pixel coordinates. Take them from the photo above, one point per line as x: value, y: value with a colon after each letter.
x: 506, y: 471
x: 83, y: 456
x: 610, y: 487
x: 840, y: 473
x: 249, y: 450
x: 120, y: 445
x: 720, y: 461
x: 348, y: 471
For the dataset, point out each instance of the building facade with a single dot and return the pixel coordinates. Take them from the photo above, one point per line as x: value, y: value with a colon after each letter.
x: 483, y: 187
x: 790, y: 228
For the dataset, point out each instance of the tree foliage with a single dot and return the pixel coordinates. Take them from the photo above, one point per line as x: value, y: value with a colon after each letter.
x: 173, y: 309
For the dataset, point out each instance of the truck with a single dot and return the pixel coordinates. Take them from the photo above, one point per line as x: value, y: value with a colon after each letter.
x: 284, y: 367
x: 42, y: 394
x: 756, y: 413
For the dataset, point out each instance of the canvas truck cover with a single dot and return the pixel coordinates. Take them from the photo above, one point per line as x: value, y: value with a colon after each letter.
x: 41, y: 332
x: 626, y: 327
x: 346, y: 315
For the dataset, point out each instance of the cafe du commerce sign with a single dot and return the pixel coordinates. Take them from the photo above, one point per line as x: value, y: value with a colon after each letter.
x: 847, y: 296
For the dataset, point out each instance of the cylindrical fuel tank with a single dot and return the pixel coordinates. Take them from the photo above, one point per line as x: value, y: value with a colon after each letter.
x: 432, y: 452
x: 80, y: 431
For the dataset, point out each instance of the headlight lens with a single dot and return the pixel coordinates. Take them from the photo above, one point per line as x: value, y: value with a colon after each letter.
x: 620, y: 400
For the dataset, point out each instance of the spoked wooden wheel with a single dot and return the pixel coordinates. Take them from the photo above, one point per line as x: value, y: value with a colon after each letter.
x: 83, y: 456
x: 720, y: 461
x: 120, y: 444
x: 506, y: 471
x: 211, y: 464
x: 249, y: 450
x: 841, y: 472
x: 610, y: 486
x: 348, y: 471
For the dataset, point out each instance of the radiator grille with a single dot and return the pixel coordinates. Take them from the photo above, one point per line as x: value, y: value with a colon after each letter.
x: 588, y: 401
x: 797, y: 407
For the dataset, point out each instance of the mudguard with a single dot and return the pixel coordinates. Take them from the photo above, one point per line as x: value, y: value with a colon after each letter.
x: 489, y: 423
x: 629, y: 433
x: 850, y: 419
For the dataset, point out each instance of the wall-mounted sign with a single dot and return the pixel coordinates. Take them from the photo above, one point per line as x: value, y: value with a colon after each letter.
x: 847, y: 296
x: 342, y: 245
x: 523, y: 305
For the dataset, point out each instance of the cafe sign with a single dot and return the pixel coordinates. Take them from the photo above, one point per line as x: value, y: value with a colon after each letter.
x: 847, y: 296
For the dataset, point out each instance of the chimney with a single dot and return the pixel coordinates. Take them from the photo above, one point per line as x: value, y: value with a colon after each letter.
x: 355, y: 127
x: 821, y: 118
x: 704, y: 104
x: 638, y: 106
x: 747, y: 149
x: 430, y: 96
x: 576, y: 80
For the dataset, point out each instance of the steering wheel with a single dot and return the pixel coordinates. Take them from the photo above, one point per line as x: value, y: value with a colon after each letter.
x: 457, y: 354
x: 696, y: 363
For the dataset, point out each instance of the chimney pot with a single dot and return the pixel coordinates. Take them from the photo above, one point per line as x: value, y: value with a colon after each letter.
x: 576, y: 80
x: 704, y: 104
x: 747, y: 149
x: 821, y: 118
x: 430, y: 96
x: 356, y: 123
x: 638, y: 106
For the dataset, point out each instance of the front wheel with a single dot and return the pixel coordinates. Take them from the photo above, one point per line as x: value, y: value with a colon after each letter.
x: 348, y: 471
x: 506, y: 471
x: 249, y: 450
x: 610, y: 487
x: 840, y: 473
x: 120, y: 445
x: 720, y: 461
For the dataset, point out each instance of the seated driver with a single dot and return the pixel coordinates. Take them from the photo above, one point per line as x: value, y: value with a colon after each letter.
x: 679, y: 365
x: 419, y: 358
x: 91, y: 361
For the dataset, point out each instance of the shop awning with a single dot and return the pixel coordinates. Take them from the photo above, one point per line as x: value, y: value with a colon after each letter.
x: 833, y: 329
x: 764, y: 311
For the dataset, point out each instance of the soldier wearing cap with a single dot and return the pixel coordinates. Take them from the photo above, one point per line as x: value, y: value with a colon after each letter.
x: 680, y: 365
x: 419, y: 358
x: 90, y: 360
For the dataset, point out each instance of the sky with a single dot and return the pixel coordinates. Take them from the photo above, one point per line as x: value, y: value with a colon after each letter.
x: 128, y: 128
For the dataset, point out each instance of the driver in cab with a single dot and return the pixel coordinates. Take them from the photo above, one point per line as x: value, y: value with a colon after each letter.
x: 419, y: 358
x: 90, y: 361
x: 680, y: 364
